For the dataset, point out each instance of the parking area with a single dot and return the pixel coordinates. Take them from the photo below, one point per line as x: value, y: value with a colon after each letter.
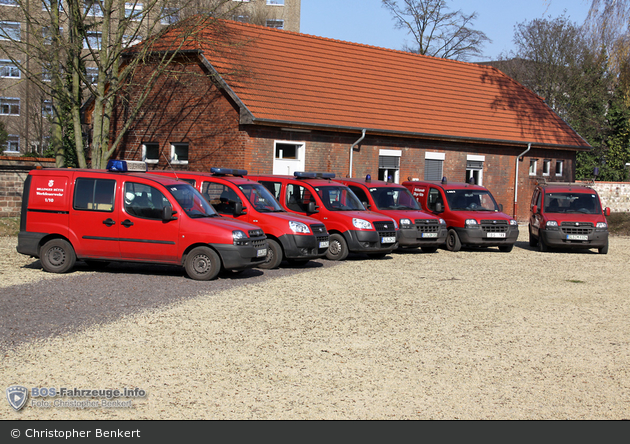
x: 466, y: 335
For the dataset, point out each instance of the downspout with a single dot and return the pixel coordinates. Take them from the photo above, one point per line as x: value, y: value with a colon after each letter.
x: 352, y: 149
x: 529, y: 147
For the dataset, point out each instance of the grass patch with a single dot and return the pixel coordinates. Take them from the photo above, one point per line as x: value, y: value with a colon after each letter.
x: 619, y: 224
x: 576, y: 281
x: 9, y: 226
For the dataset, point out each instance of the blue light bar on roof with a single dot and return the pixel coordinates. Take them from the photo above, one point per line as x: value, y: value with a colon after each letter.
x: 311, y: 175
x: 228, y: 171
x: 123, y: 166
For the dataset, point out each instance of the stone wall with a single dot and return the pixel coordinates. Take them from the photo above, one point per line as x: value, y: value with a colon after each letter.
x: 13, y: 172
x: 614, y: 195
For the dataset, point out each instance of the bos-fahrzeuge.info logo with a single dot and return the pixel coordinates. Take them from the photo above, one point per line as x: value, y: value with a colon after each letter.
x: 18, y: 395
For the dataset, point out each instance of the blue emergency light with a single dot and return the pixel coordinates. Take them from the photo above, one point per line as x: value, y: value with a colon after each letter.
x: 228, y: 171
x: 368, y: 178
x: 123, y: 166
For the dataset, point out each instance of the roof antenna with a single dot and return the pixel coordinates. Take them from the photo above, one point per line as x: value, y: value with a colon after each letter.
x: 171, y: 166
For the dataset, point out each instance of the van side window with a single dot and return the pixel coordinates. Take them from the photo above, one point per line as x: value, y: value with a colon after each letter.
x: 144, y: 201
x: 273, y: 187
x: 221, y: 197
x: 94, y: 194
x: 298, y: 198
x: 360, y: 194
x: 434, y: 198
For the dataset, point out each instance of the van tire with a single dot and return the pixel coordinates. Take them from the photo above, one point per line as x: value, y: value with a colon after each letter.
x: 274, y: 255
x: 533, y: 242
x: 452, y: 241
x: 57, y: 256
x: 202, y: 264
x: 542, y: 246
x: 338, y: 248
x: 604, y: 249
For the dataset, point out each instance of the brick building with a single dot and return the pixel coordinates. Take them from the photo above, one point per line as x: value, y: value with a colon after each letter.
x: 273, y: 101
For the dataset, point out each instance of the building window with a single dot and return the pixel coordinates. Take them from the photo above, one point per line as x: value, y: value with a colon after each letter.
x: 46, y: 74
x: 274, y: 23
x: 559, y: 167
x: 91, y: 75
x: 9, y: 70
x: 93, y: 8
x: 151, y: 152
x: 133, y: 11
x: 288, y: 157
x: 533, y: 167
x: 179, y: 153
x: 474, y: 169
x: 9, y: 106
x: 130, y: 40
x: 10, y: 31
x: 546, y: 167
x: 47, y: 108
x: 47, y: 5
x: 9, y: 2
x: 169, y: 16
x: 275, y: 2
x: 433, y: 165
x: 389, y: 165
x: 12, y: 145
x: 93, y: 40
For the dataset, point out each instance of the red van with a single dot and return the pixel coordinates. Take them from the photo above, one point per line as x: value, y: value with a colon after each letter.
x: 567, y: 215
x: 114, y: 215
x: 472, y: 216
x: 416, y: 227
x: 351, y: 227
x: 289, y: 236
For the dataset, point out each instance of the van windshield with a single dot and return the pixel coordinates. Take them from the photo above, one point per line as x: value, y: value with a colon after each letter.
x: 339, y: 198
x: 471, y: 200
x: 260, y: 198
x: 390, y: 198
x: 191, y: 201
x: 585, y: 203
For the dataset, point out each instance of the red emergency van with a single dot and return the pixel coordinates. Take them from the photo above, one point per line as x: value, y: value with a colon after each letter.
x: 567, y: 215
x: 416, y: 228
x: 351, y: 227
x: 472, y: 216
x: 115, y: 215
x: 290, y: 236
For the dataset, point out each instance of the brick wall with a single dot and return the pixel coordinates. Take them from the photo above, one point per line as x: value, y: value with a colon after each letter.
x: 13, y: 172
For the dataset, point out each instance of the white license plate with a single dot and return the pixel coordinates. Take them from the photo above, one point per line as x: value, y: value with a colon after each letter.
x: 577, y: 237
x: 429, y: 234
x: 262, y: 253
x: 323, y: 244
x: 388, y: 240
x: 496, y: 235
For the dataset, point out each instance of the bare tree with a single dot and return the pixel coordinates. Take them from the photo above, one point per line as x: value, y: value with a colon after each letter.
x: 437, y: 31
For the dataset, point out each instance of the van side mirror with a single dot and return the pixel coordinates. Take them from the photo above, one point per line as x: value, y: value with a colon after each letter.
x: 500, y: 208
x: 535, y: 209
x: 238, y: 209
x: 167, y: 213
x: 606, y: 211
x: 439, y: 207
x: 366, y: 205
x: 312, y: 207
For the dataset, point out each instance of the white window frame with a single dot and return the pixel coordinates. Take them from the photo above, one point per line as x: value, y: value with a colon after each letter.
x: 475, y: 158
x: 430, y: 155
x: 533, y: 167
x: 8, y: 3
x: 169, y: 16
x: 12, y: 140
x: 47, y: 108
x: 92, y: 8
x: 16, y: 35
x: 395, y: 173
x: 144, y: 152
x: 91, y: 75
x: 9, y: 101
x: 133, y: 11
x: 174, y: 157
x: 546, y: 167
x: 275, y: 2
x: 559, y: 171
x: 11, y: 68
x: 93, y: 37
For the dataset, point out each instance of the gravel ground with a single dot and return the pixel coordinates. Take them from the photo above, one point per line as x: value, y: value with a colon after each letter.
x: 467, y: 335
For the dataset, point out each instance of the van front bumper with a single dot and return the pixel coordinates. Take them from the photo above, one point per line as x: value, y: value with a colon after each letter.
x: 478, y: 237
x: 556, y: 238
x: 414, y: 237
x: 296, y: 246
x: 239, y: 257
x: 370, y: 241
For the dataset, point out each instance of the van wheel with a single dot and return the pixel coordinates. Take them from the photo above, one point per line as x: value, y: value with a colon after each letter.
x: 337, y: 249
x: 202, y: 264
x: 532, y: 240
x: 452, y: 241
x: 506, y: 248
x: 274, y: 255
x: 604, y: 249
x: 57, y: 256
x: 542, y: 246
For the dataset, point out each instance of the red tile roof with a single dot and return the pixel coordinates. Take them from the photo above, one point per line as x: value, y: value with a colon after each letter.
x: 288, y: 78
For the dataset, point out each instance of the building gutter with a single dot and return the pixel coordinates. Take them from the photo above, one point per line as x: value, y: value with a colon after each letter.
x: 529, y: 147
x: 352, y: 150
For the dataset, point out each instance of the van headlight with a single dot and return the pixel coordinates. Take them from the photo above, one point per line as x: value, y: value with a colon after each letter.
x: 471, y: 223
x: 239, y: 237
x: 551, y: 225
x: 298, y: 227
x: 601, y: 226
x: 405, y: 223
x: 442, y: 221
x: 513, y: 222
x: 361, y: 224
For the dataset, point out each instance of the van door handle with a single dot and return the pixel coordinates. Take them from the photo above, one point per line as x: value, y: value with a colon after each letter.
x: 109, y: 222
x: 126, y: 223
